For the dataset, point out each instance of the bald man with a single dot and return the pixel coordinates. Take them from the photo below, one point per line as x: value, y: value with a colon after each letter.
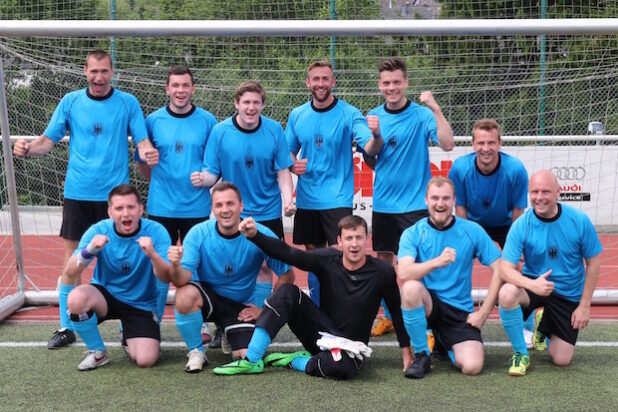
x: 561, y: 266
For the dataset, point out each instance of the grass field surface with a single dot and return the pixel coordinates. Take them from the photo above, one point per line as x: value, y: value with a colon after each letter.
x: 35, y: 378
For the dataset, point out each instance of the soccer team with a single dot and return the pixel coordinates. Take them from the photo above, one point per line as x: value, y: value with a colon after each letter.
x: 223, y: 267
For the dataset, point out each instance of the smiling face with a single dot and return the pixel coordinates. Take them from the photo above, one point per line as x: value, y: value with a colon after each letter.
x: 320, y: 81
x: 486, y: 144
x: 227, y: 206
x: 180, y: 89
x: 440, y: 201
x: 353, y: 242
x: 125, y: 211
x: 249, y: 106
x: 99, y: 75
x: 393, y: 85
x: 544, y: 191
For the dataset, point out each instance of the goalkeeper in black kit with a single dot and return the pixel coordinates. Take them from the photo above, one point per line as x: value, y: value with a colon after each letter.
x: 335, y: 335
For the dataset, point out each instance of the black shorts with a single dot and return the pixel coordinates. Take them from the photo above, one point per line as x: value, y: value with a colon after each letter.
x: 276, y: 225
x: 79, y: 215
x: 449, y: 324
x: 557, y: 314
x: 388, y: 227
x: 498, y: 234
x: 318, y: 227
x: 136, y: 323
x: 224, y: 312
x: 176, y: 225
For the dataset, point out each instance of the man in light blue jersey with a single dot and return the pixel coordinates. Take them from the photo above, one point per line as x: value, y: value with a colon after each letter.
x: 98, y: 119
x: 436, y: 256
x: 561, y: 251
x: 130, y: 253
x: 179, y: 131
x: 250, y: 150
x: 320, y: 134
x: 215, y: 272
x: 398, y: 189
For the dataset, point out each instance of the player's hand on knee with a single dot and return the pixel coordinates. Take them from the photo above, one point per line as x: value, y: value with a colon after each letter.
x: 447, y: 256
x: 541, y: 286
x: 476, y: 320
x: 580, y: 317
x: 249, y: 314
x: 145, y: 243
x: 300, y: 167
x: 248, y: 227
x: 21, y: 148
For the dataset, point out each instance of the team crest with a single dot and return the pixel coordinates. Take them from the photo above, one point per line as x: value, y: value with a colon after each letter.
x: 179, y: 146
x: 486, y: 203
x: 552, y: 252
x: 126, y: 268
x: 249, y: 162
x: 97, y: 129
x: 318, y: 141
x: 392, y: 142
x: 228, y: 270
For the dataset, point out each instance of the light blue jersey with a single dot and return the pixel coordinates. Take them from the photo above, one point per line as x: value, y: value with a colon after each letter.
x: 452, y: 283
x: 324, y: 137
x: 122, y: 267
x: 181, y: 142
x: 250, y: 159
x: 228, y: 265
x: 402, y: 169
x: 98, y: 149
x: 490, y: 199
x: 560, y: 244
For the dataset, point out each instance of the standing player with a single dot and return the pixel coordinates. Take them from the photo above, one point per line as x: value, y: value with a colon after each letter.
x: 98, y: 119
x: 179, y: 131
x: 436, y: 256
x: 129, y: 252
x: 555, y: 240
x: 348, y: 278
x: 250, y: 150
x: 320, y: 135
x: 215, y: 272
x: 398, y: 189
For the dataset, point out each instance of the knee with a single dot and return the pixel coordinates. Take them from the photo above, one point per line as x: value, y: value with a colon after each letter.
x: 472, y: 368
x: 287, y: 291
x: 77, y: 301
x: 144, y: 359
x: 561, y: 359
x: 411, y: 293
x: 508, y: 297
x: 187, y: 299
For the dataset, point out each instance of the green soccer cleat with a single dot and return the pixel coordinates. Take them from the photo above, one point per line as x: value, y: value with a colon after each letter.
x: 538, y: 339
x: 520, y: 364
x: 282, y: 359
x: 240, y: 367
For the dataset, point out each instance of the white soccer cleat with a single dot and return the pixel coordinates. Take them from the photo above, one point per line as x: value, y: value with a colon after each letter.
x: 225, y: 344
x: 197, y: 360
x: 528, y: 338
x: 93, y: 359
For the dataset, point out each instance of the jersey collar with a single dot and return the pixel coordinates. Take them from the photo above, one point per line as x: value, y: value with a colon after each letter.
x: 139, y: 227
x: 333, y: 104
x: 234, y: 236
x: 495, y: 168
x: 549, y: 219
x: 180, y: 115
x: 242, y: 129
x: 100, y: 98
x: 445, y: 228
x: 403, y: 109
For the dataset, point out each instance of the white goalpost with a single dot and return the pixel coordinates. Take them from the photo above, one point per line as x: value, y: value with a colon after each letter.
x: 545, y: 98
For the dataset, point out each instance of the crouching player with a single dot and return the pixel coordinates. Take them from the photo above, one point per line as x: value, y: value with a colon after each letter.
x: 129, y: 252
x: 435, y: 262
x: 215, y: 272
x: 336, y: 333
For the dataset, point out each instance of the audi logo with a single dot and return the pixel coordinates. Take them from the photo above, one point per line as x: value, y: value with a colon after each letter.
x: 569, y: 173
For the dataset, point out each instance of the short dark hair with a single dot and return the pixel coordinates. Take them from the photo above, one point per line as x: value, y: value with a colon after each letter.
x: 252, y: 86
x: 179, y: 70
x: 319, y: 63
x: 124, y: 190
x: 351, y: 222
x: 487, y: 125
x: 393, y: 63
x: 98, y: 55
x: 225, y: 185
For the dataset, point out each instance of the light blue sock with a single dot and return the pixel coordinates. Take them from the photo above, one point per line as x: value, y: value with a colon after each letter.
x: 162, y: 289
x: 262, y: 292
x: 529, y: 322
x: 190, y: 327
x: 547, y: 341
x: 258, y: 345
x: 88, y: 330
x: 416, y: 326
x: 314, y: 288
x: 300, y: 363
x: 451, y: 356
x: 513, y: 324
x: 63, y: 294
x: 387, y: 313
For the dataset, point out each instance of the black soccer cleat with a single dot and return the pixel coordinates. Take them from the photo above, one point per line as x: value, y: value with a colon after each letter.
x: 61, y: 338
x: 419, y: 367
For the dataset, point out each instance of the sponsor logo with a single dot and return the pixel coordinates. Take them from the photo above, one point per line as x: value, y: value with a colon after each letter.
x: 569, y: 172
x: 97, y: 129
x: 318, y: 141
x: 228, y: 270
x: 126, y: 268
x: 486, y: 203
x: 552, y: 252
x: 179, y: 146
x: 249, y: 162
x: 392, y: 142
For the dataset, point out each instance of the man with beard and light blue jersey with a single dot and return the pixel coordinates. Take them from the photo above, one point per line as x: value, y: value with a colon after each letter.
x: 130, y: 253
x: 555, y: 240
x: 436, y: 256
x: 179, y: 131
x: 215, y: 272
x: 99, y: 119
x: 320, y: 134
x: 398, y: 189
